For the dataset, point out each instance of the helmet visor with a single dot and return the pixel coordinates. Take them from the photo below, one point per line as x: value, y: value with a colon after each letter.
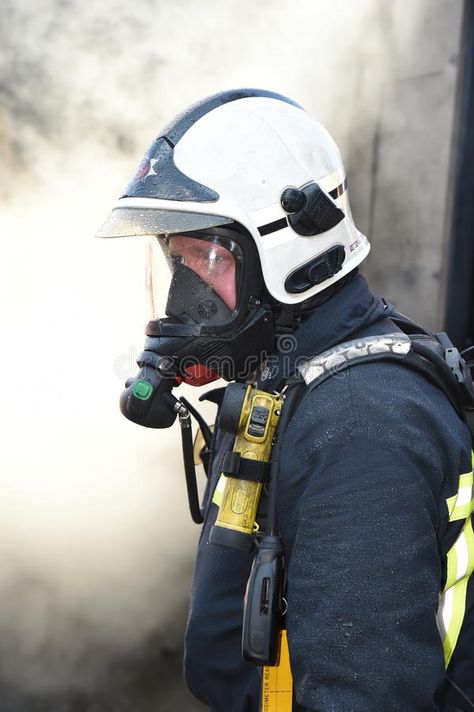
x: 193, y: 279
x: 127, y: 222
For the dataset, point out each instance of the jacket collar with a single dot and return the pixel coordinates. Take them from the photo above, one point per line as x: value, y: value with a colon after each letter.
x: 349, y: 311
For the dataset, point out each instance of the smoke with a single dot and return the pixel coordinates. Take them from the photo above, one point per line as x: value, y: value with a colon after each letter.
x: 75, y: 77
x: 95, y: 540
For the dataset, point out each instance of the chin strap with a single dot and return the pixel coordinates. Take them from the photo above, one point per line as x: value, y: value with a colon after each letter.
x: 288, y: 319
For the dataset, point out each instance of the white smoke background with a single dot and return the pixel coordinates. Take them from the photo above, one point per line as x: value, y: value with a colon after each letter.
x: 96, y: 543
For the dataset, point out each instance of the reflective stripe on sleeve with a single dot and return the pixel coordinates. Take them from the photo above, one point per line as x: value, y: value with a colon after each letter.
x: 460, y: 505
x: 452, y: 605
x: 460, y: 565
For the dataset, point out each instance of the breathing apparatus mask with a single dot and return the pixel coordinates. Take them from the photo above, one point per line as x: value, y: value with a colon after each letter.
x: 213, y: 304
x: 205, y: 293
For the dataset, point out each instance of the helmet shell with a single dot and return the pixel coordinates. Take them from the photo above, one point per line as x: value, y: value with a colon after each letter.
x: 232, y: 155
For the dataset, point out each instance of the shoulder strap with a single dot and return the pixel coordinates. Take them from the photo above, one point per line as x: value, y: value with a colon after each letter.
x: 369, y: 348
x: 433, y: 356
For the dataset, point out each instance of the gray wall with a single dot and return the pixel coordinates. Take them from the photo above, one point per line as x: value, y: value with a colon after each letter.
x: 403, y: 210
x: 95, y: 540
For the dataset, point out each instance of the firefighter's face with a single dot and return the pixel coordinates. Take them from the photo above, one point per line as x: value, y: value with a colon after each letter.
x: 210, y: 261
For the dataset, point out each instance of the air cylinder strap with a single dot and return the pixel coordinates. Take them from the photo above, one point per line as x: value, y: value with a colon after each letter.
x: 233, y: 465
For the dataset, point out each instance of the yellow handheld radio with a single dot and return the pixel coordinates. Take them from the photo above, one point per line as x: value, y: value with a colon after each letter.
x: 254, y: 416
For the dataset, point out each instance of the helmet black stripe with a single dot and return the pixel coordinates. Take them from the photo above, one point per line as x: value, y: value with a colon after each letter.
x: 339, y: 190
x: 178, y: 127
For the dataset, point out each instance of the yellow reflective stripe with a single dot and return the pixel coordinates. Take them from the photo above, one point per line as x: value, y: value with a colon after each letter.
x: 464, y: 567
x: 458, y: 610
x: 452, y: 568
x: 460, y: 505
x: 460, y: 557
x: 460, y: 566
x: 219, y: 491
x: 470, y: 545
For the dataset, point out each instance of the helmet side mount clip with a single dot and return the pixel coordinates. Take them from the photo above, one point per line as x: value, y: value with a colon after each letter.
x: 310, y: 210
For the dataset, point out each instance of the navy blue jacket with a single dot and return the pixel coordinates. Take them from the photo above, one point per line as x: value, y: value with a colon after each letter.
x: 370, y: 471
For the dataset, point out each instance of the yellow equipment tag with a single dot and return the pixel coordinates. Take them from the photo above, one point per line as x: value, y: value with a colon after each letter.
x: 219, y: 491
x: 277, y: 682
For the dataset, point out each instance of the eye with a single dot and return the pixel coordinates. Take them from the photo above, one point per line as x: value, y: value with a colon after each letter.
x: 215, y: 260
x: 178, y: 259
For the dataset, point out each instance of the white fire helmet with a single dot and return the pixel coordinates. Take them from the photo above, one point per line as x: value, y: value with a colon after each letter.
x: 255, y: 158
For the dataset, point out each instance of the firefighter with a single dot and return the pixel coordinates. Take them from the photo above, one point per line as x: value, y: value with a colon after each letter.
x: 253, y: 272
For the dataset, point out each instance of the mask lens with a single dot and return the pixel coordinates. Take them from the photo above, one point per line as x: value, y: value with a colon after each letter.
x: 212, y: 262
x: 193, y: 279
